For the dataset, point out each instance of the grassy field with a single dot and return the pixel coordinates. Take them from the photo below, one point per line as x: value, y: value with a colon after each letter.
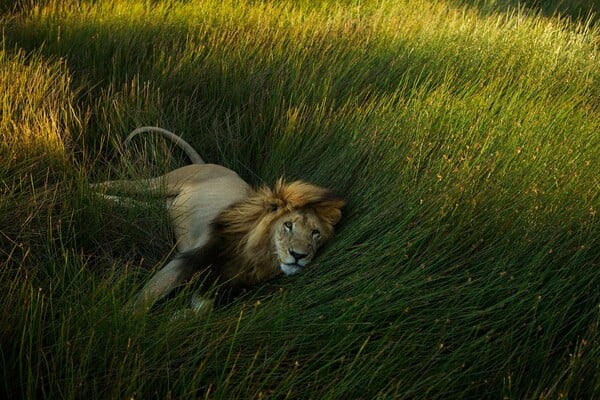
x: 465, y: 136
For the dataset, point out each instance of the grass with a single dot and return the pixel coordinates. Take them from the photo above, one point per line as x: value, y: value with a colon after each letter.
x: 464, y: 135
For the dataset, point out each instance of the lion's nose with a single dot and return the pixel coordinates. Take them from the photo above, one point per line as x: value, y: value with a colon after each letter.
x: 297, y: 256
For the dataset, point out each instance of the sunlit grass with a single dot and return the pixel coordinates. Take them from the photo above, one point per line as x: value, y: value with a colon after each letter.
x: 465, y: 138
x: 37, y: 106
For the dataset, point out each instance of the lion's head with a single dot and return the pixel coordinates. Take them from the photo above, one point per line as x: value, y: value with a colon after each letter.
x: 278, y: 230
x: 296, y: 236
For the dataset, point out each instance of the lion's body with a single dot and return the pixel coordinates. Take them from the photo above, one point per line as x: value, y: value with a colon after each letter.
x: 241, y: 235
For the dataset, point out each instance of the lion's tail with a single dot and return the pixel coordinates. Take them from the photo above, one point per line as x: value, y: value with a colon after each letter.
x: 185, y: 146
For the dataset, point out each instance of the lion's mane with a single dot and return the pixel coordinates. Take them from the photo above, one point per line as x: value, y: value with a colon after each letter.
x: 240, y: 252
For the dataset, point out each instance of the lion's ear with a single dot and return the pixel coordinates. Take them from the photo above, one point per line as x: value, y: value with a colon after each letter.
x: 330, y: 210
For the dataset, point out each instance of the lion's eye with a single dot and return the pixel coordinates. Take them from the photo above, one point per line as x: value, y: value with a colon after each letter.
x: 288, y: 226
x: 316, y: 234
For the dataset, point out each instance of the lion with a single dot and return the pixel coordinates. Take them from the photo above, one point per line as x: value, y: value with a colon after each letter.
x: 237, y: 234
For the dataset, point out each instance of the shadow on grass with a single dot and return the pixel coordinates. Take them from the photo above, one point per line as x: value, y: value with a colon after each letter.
x: 579, y: 11
x: 217, y: 83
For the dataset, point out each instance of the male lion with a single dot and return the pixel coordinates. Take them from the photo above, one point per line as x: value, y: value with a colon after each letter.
x: 238, y: 234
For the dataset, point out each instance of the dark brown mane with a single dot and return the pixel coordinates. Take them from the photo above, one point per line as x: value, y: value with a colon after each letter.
x: 240, y: 251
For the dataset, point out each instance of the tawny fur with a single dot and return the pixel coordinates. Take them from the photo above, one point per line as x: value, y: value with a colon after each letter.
x: 240, y: 235
x: 246, y: 235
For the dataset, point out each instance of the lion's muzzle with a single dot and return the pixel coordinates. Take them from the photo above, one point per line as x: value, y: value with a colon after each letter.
x: 290, y: 269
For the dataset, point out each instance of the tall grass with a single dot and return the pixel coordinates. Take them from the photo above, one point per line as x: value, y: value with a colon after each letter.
x: 465, y: 137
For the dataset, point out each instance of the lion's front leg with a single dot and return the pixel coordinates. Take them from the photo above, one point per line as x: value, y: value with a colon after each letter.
x: 174, y: 274
x: 199, y: 306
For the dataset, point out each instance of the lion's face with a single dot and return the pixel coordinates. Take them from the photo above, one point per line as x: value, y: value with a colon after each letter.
x: 277, y: 230
x: 296, y: 237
